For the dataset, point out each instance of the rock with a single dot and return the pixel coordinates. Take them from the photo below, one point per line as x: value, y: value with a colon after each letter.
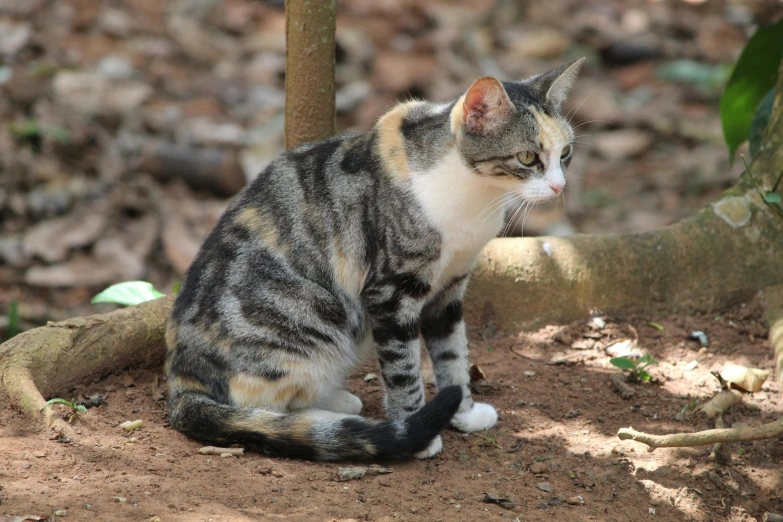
x: 92, y: 93
x: 202, y: 131
x: 116, y: 22
x: 352, y: 473
x: 575, y: 501
x: 13, y: 37
x: 622, y: 144
x: 115, y: 68
x: 539, y: 468
x: 350, y: 96
x: 545, y: 486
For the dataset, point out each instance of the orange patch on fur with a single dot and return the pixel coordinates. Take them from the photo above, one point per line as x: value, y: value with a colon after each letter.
x: 551, y: 131
x: 391, y: 143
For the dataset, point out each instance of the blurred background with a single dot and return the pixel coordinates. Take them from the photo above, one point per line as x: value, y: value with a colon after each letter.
x: 126, y: 126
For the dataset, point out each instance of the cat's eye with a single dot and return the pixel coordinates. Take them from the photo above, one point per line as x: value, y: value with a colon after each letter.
x: 527, y: 158
x: 566, y: 151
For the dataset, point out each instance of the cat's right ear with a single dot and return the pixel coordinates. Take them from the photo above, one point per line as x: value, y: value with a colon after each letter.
x: 486, y: 105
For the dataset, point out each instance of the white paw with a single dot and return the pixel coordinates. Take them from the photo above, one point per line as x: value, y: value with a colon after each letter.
x: 480, y: 417
x: 433, y: 449
x: 342, y: 401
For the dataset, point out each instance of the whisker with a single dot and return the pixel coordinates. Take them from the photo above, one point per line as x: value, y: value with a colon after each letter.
x: 589, y: 121
x: 571, y: 114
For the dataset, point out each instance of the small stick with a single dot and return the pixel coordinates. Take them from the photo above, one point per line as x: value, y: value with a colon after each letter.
x: 719, y: 424
x: 620, y: 384
x: 213, y: 450
x: 702, y: 438
x: 721, y: 402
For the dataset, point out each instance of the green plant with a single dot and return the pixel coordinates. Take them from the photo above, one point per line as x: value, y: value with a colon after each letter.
x: 637, y: 369
x: 75, y: 407
x: 769, y: 197
x: 128, y: 293
x: 13, y: 319
x: 31, y: 129
x: 753, y: 77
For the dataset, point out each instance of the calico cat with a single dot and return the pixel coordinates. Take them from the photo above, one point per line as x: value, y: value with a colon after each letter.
x: 352, y: 243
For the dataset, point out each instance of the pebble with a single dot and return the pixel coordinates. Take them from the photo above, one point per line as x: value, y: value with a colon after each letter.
x: 545, y: 486
x: 575, y: 501
x: 539, y: 468
x: 60, y: 513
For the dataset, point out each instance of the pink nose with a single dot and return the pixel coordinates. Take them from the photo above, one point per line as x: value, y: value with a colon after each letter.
x: 557, y: 189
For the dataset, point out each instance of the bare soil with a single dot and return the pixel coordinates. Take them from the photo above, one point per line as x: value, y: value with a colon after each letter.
x: 555, y: 444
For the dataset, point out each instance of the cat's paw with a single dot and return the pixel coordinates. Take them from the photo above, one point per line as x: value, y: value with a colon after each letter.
x: 433, y: 449
x: 480, y: 417
x: 342, y: 401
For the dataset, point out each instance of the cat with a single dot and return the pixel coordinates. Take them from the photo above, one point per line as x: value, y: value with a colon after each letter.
x: 353, y: 243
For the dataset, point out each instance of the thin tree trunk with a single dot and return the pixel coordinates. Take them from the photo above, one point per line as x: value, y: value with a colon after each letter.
x: 309, y: 70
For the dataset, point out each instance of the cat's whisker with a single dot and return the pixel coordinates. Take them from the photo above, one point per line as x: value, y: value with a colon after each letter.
x: 504, y: 201
x: 513, y: 199
x: 589, y: 121
x: 509, y: 224
x: 572, y: 113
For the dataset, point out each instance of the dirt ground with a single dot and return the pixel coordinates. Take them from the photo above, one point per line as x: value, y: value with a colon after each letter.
x: 554, y: 452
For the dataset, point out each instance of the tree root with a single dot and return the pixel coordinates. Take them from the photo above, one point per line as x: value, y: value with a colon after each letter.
x: 50, y: 360
x: 704, y: 438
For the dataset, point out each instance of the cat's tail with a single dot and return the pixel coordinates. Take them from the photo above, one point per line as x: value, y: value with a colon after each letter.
x: 312, y: 434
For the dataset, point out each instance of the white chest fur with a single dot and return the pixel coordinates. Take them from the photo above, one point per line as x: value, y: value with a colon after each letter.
x: 466, y: 209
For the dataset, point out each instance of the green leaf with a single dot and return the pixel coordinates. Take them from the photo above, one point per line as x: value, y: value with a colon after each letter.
x: 760, y: 120
x: 80, y: 408
x: 703, y: 75
x: 754, y: 74
x: 623, y: 362
x: 644, y: 376
x: 13, y: 319
x: 771, y: 197
x: 655, y: 325
x: 128, y: 294
x: 57, y: 400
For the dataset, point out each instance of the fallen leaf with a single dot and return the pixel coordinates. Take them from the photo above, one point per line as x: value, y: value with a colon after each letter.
x: 477, y: 374
x: 500, y: 501
x: 352, y: 473
x: 744, y: 379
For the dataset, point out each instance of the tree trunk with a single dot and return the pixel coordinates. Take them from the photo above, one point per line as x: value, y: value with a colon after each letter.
x: 309, y: 70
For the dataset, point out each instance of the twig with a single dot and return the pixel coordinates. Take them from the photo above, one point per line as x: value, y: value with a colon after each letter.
x: 214, y: 450
x: 719, y: 424
x: 721, y: 402
x: 703, y: 438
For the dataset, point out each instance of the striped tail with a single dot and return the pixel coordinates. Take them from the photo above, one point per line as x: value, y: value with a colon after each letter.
x: 311, y: 434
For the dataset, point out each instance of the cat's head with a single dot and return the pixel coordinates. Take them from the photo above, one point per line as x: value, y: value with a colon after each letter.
x: 513, y: 133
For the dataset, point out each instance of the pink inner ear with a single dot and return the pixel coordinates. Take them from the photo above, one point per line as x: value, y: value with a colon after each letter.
x: 478, y: 98
x: 484, y: 104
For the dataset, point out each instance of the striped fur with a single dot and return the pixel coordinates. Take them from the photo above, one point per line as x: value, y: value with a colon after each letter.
x: 357, y: 242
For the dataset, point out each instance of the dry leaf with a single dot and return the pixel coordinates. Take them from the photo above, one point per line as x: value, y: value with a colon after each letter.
x: 477, y: 374
x: 744, y: 379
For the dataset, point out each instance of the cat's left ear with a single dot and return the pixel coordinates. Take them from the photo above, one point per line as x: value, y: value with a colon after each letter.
x: 557, y: 83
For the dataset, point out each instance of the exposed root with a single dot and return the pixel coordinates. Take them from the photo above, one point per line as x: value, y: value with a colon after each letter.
x: 703, y: 438
x: 721, y: 402
x: 50, y: 360
x: 214, y: 450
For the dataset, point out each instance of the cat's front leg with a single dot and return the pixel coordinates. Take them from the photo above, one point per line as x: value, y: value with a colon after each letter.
x: 444, y: 334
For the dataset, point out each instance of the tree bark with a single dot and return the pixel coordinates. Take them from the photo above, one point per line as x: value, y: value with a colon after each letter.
x: 309, y: 70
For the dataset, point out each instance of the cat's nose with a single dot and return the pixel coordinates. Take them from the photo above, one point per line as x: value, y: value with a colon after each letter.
x: 556, y: 188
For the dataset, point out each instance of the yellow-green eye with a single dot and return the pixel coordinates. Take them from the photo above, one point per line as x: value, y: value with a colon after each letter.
x: 566, y: 151
x: 527, y: 158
